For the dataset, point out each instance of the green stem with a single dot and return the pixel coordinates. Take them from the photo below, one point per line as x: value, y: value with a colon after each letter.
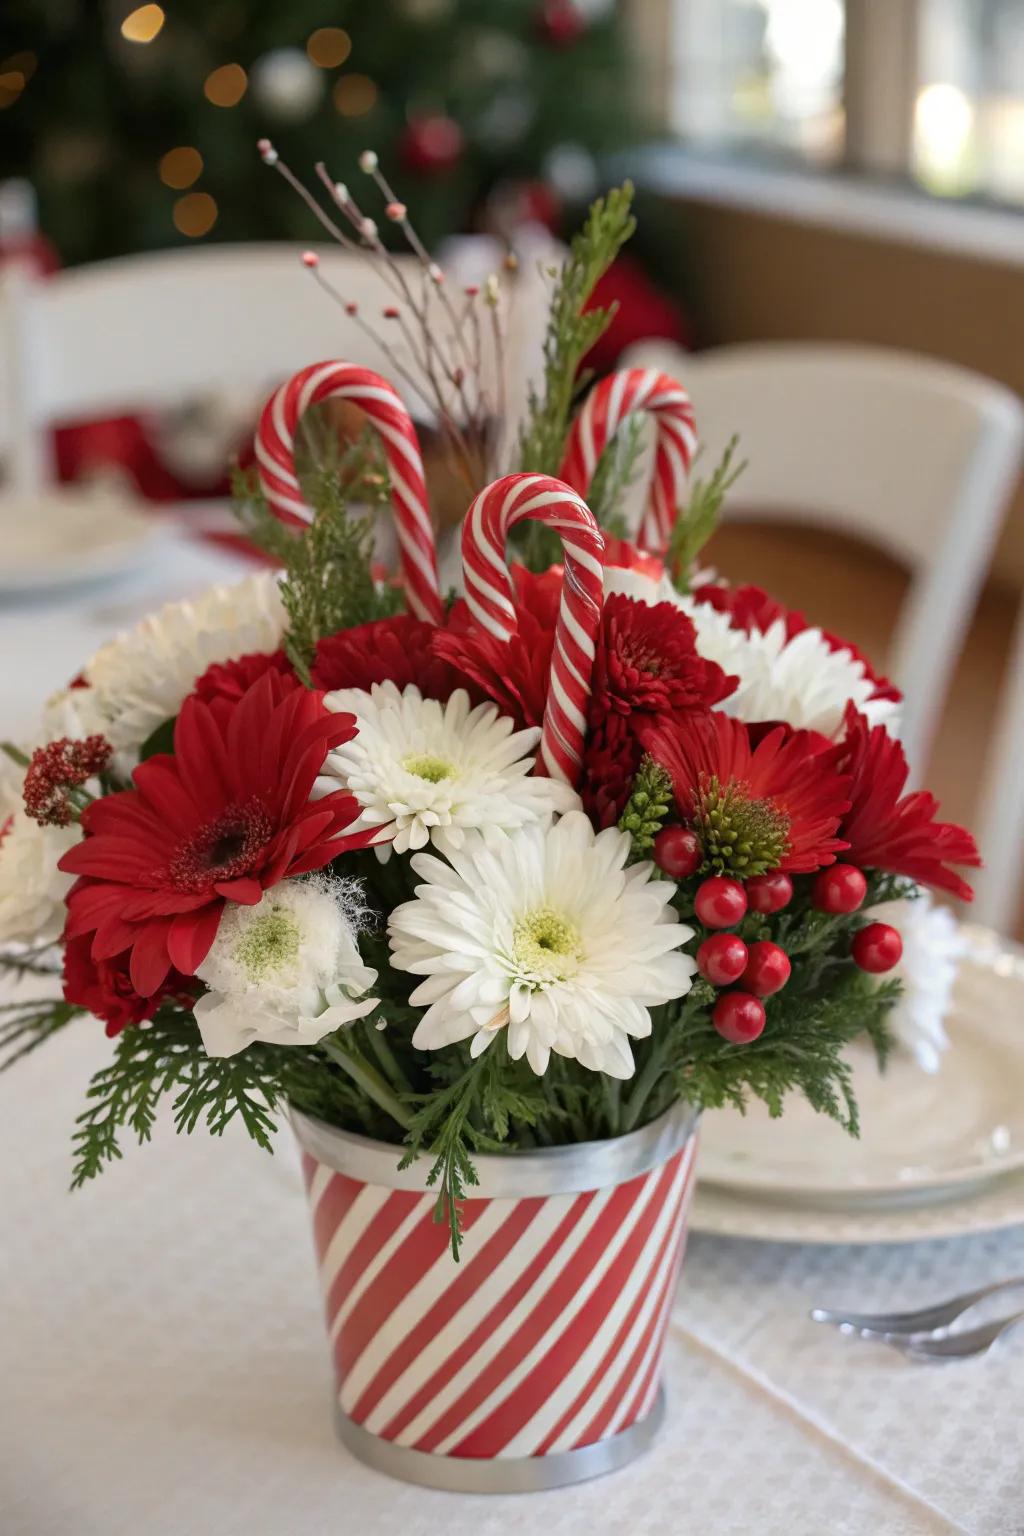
x: 372, y: 1084
x: 613, y: 1103
x: 15, y: 754
x: 643, y: 1087
x: 386, y: 1056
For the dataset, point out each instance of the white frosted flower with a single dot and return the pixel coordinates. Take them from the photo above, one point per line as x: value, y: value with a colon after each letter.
x: 548, y: 936
x: 141, y: 679
x: 32, y: 888
x: 424, y: 771
x: 933, y: 944
x: 286, y: 970
x: 802, y: 681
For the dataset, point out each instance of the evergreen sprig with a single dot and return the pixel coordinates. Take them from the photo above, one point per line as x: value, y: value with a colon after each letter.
x: 698, y: 521
x: 572, y: 331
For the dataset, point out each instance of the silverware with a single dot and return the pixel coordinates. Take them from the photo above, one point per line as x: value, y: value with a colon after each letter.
x: 955, y: 1346
x: 923, y: 1320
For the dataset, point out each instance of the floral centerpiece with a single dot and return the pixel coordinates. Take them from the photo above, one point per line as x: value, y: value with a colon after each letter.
x: 493, y: 891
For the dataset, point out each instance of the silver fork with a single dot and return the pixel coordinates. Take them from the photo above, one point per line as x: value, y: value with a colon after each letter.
x: 921, y: 1320
x: 955, y: 1346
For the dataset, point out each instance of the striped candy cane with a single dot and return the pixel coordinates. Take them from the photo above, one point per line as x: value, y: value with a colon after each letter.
x: 275, y: 459
x: 605, y: 409
x: 489, y: 592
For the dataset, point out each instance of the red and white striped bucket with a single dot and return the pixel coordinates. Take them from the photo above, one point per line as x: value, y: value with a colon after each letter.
x: 536, y: 1360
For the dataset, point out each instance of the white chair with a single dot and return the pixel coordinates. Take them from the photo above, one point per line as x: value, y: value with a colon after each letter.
x: 997, y: 886
x: 916, y: 456
x: 148, y: 331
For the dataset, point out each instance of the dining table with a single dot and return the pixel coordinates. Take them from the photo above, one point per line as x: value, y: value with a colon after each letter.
x: 165, y: 1372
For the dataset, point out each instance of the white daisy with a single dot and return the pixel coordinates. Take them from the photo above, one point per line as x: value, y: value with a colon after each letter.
x: 32, y: 888
x: 803, y: 681
x: 933, y: 944
x: 141, y: 678
x: 430, y: 772
x: 286, y: 971
x: 547, y: 935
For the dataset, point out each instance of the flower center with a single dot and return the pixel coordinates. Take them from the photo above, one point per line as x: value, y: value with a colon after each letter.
x: 270, y: 943
x: 546, y: 945
x: 740, y: 835
x: 425, y: 766
x: 221, y: 849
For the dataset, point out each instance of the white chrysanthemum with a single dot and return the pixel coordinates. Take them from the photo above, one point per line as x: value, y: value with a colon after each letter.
x: 286, y: 971
x: 141, y: 678
x: 802, y: 681
x: 932, y: 947
x: 430, y: 772
x: 32, y: 888
x: 546, y: 934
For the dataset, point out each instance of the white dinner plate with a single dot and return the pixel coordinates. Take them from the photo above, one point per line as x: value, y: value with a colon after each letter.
x: 64, y: 537
x: 924, y: 1136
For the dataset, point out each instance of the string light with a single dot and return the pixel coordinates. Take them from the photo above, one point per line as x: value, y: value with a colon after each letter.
x: 354, y: 95
x: 195, y: 214
x: 142, y: 25
x: 15, y: 73
x: 226, y: 86
x: 180, y: 167
x: 328, y: 47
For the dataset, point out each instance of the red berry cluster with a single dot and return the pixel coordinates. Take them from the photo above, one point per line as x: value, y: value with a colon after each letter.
x: 58, y: 768
x: 877, y: 947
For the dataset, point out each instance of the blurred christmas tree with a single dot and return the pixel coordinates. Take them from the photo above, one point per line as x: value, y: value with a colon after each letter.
x: 137, y: 124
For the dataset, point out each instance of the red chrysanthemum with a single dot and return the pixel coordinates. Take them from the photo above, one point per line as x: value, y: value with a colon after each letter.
x: 514, y: 673
x: 104, y: 988
x: 647, y: 662
x: 776, y: 805
x: 398, y: 650
x: 223, y: 819
x: 887, y: 829
x: 224, y: 682
x: 753, y: 608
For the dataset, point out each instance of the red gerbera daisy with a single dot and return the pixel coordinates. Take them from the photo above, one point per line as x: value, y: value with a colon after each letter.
x: 224, y: 818
x: 398, y: 650
x: 753, y: 608
x: 514, y: 673
x: 889, y: 830
x: 776, y: 805
x: 104, y: 987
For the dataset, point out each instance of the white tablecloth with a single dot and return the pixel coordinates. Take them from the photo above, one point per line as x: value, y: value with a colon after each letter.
x: 164, y: 1370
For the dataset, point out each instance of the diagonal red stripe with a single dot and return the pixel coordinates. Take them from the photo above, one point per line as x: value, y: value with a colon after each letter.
x: 497, y: 1314
x: 509, y: 1416
x: 628, y: 1377
x: 611, y: 1355
x: 332, y: 1205
x: 467, y: 1282
x: 410, y: 1261
x: 644, y: 1387
x: 385, y: 1221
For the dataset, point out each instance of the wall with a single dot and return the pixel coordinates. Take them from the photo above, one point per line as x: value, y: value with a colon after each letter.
x: 757, y: 277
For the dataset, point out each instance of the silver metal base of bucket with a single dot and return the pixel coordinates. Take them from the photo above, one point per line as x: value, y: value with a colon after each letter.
x: 496, y: 1474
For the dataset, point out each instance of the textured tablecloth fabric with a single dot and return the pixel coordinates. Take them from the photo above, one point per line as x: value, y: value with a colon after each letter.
x: 164, y: 1369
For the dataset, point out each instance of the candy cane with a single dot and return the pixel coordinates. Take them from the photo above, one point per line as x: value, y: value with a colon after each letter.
x: 605, y: 409
x: 489, y: 592
x: 275, y: 460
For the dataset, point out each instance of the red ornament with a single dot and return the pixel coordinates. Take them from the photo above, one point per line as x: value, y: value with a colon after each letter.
x: 769, y: 893
x: 738, y: 1017
x: 767, y: 969
x: 431, y: 145
x: 876, y: 948
x: 840, y: 889
x: 720, y: 902
x: 561, y: 22
x: 722, y: 959
x: 678, y: 852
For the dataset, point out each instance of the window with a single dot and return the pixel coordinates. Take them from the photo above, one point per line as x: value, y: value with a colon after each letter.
x: 931, y: 89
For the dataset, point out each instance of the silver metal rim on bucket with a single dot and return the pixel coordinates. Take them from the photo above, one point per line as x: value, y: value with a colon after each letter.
x: 497, y: 1474
x: 546, y: 1171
